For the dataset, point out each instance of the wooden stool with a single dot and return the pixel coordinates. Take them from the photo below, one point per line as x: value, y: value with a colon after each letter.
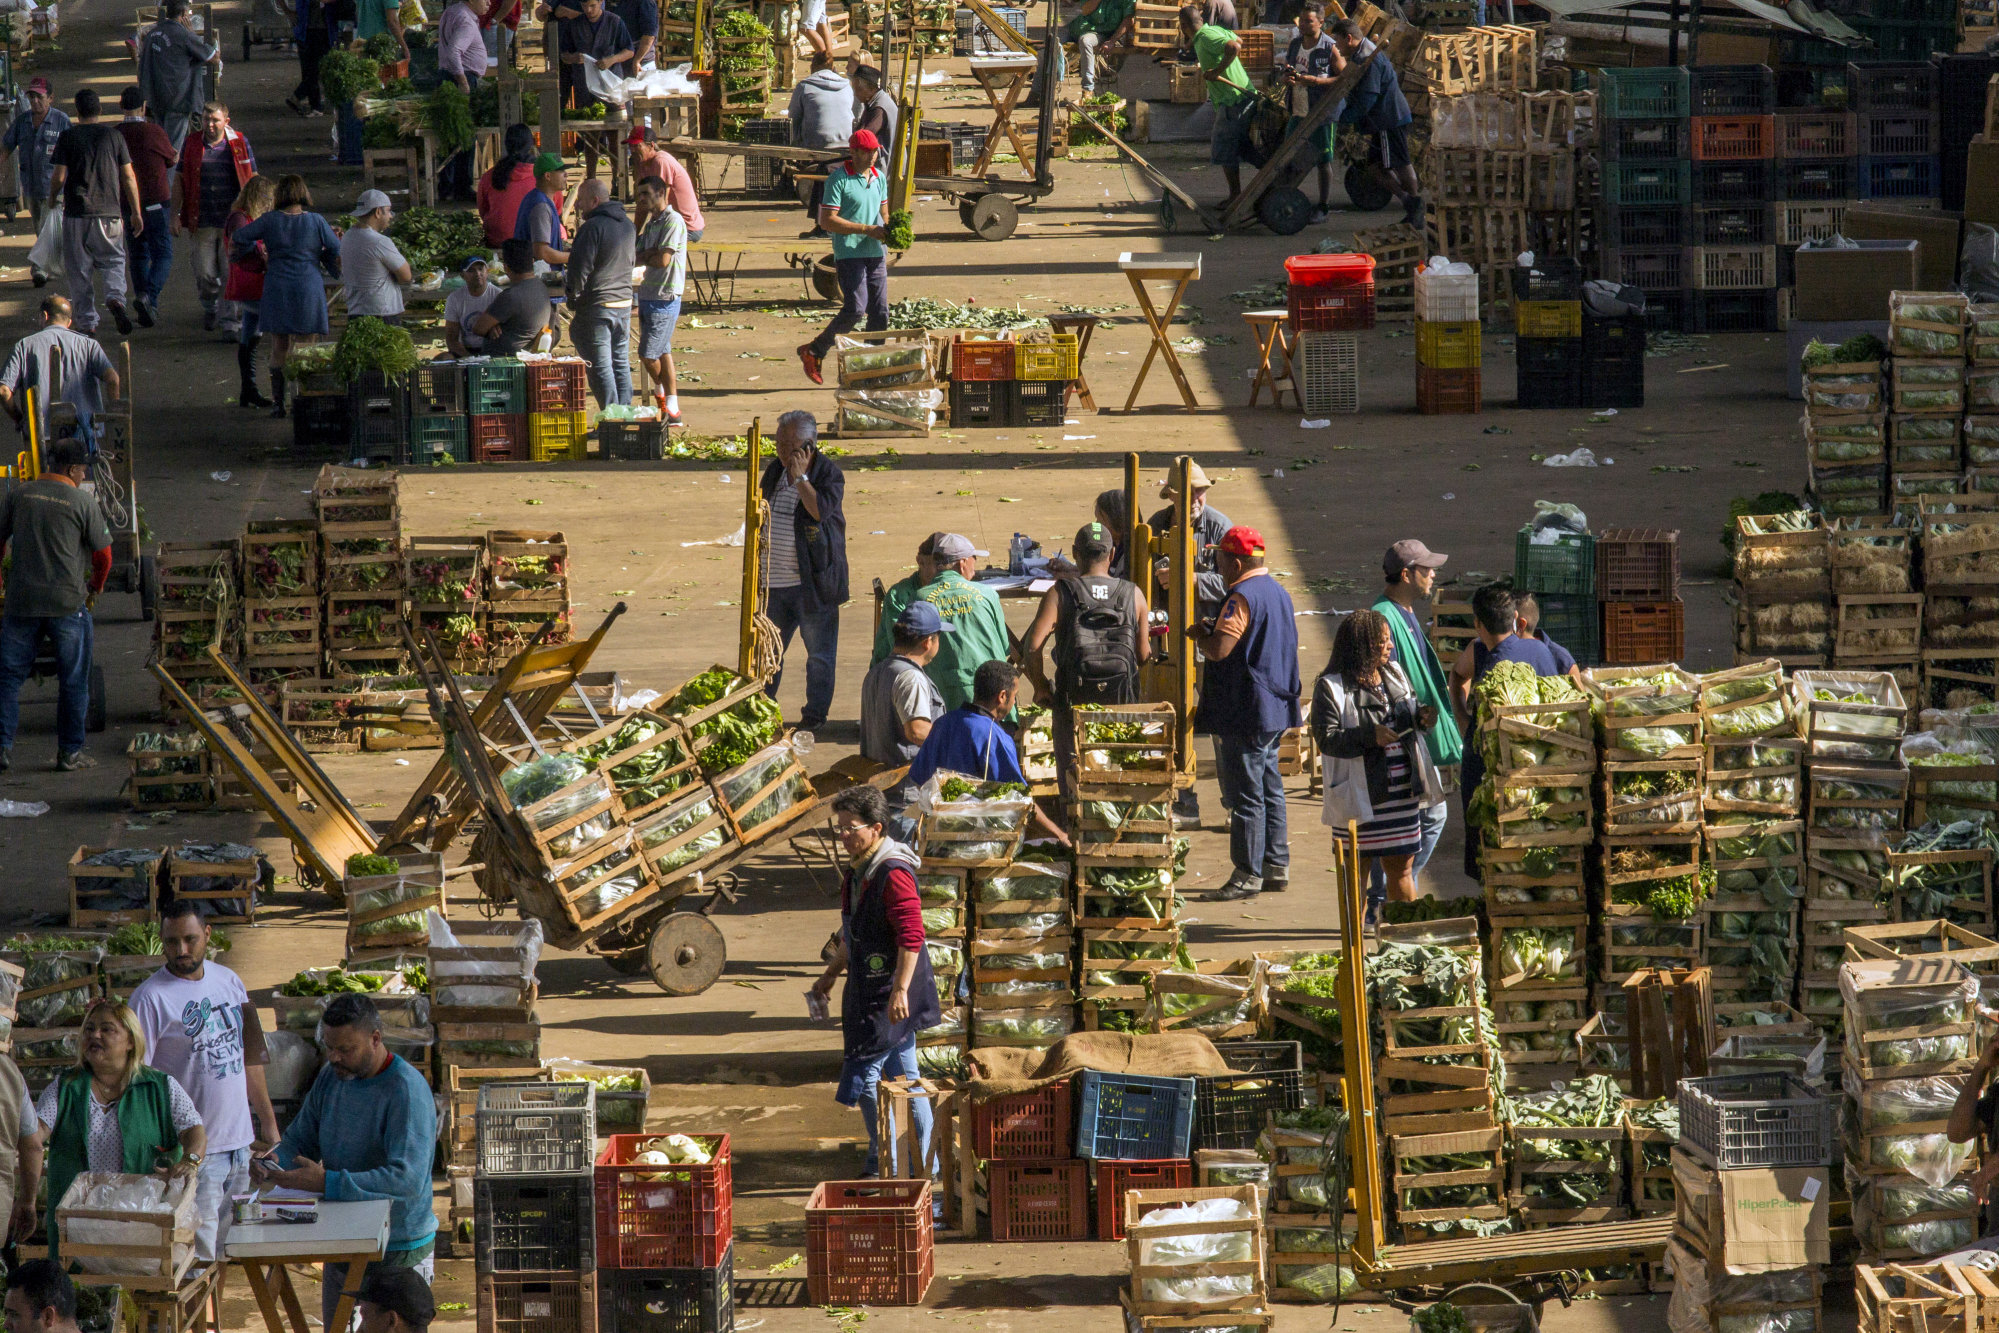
x: 1272, y: 331
x: 1181, y: 270
x: 1082, y: 326
x: 1016, y: 68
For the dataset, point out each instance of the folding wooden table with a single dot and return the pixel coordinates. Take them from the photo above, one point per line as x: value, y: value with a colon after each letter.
x: 988, y: 70
x: 352, y: 1233
x: 1181, y: 270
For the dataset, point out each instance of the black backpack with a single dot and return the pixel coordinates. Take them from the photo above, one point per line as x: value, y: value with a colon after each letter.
x: 1099, y: 659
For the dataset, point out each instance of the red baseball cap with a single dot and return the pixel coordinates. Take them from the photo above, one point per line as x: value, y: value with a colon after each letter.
x: 1240, y: 540
x: 638, y: 136
x: 864, y: 141
x: 38, y: 84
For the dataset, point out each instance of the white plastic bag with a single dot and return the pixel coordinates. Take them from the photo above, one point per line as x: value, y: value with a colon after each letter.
x: 603, y: 84
x: 169, y: 1204
x: 47, y: 252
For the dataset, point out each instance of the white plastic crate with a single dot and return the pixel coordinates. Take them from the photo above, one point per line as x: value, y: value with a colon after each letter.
x: 1446, y: 298
x: 1802, y: 220
x: 1326, y: 368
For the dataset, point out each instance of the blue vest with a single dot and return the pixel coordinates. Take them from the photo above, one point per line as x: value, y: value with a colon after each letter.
x: 1254, y: 690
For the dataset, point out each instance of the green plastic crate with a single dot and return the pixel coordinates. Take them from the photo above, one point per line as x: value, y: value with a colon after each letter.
x: 1573, y: 623
x: 1645, y: 94
x: 496, y: 388
x: 435, y: 437
x: 1567, y: 567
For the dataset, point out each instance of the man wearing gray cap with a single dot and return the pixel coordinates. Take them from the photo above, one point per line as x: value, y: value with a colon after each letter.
x: 898, y: 700
x: 981, y: 635
x: 1409, y: 569
x: 371, y: 268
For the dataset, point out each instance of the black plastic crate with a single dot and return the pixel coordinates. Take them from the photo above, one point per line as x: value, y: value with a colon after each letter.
x: 533, y: 1224
x: 1553, y: 278
x: 1735, y: 224
x: 1731, y: 183
x: 1732, y: 90
x: 1544, y: 389
x: 1573, y: 623
x: 1733, y: 312
x: 667, y: 1300
x: 1899, y: 177
x: 1654, y: 269
x: 1667, y: 312
x: 1230, y: 1110
x: 1261, y: 1057
x: 1036, y: 403
x: 1654, y: 140
x: 1613, y: 339
x: 979, y: 402
x: 1549, y: 356
x: 437, y: 389
x: 632, y: 441
x: 1876, y: 86
x: 1815, y: 178
x: 1646, y: 228
x: 1614, y: 384
x: 319, y: 423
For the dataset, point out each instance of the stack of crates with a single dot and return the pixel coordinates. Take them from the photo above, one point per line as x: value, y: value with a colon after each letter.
x: 438, y: 430
x: 1448, y: 343
x: 535, y: 1242
x: 1329, y: 298
x: 1732, y: 262
x: 1613, y: 361
x: 1638, y: 587
x: 527, y: 586
x: 1548, y: 322
x: 1897, y: 130
x: 557, y: 396
x: 1045, y: 367
x: 1036, y: 1187
x: 765, y: 175
x: 1926, y: 398
x: 496, y: 410
x: 1814, y: 174
x: 377, y: 420
x: 664, y: 1257
x: 361, y: 536
x: 1647, y: 187
x: 281, y: 602
x: 981, y: 379
x: 1133, y: 1132
x: 320, y: 407
x: 1562, y: 576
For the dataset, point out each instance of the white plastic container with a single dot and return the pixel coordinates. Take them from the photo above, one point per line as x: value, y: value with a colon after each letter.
x: 1447, y: 298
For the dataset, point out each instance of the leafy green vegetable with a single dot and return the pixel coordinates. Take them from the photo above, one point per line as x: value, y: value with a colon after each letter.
x: 371, y: 344
x: 332, y: 981
x: 365, y: 865
x: 901, y: 231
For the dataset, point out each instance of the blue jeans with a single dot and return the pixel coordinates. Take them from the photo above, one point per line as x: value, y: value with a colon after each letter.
x: 858, y: 1081
x: 222, y: 1174
x: 864, y: 293
x: 19, y: 636
x: 1430, y: 820
x: 603, y: 336
x: 821, y: 629
x: 1253, y: 794
x: 150, y: 255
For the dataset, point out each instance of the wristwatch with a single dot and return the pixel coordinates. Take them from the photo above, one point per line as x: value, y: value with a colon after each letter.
x: 194, y: 1157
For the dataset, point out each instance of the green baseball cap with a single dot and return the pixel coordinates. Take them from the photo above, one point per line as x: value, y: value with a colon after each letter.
x: 546, y: 163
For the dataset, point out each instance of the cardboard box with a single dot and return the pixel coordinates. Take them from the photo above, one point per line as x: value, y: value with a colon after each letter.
x: 1981, y: 181
x: 1853, y: 283
x: 1753, y: 1220
x: 1940, y: 232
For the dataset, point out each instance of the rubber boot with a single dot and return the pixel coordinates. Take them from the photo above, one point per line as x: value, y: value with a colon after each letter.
x: 246, y: 370
x: 277, y: 391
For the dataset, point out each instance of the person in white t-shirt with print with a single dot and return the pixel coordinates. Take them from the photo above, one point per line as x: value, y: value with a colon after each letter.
x: 202, y: 1029
x: 472, y: 299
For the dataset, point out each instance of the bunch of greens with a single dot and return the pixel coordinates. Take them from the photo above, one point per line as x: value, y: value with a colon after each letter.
x: 139, y: 939
x: 901, y: 229
x: 1662, y: 1115
x: 316, y: 981
x: 371, y: 344
x: 485, y: 104
x: 1317, y: 976
x: 1442, y: 1317
x: 365, y: 865
x: 427, y: 236
x: 1861, y: 347
x: 1041, y: 1027
x: 541, y: 777
x: 1531, y: 951
x: 961, y: 788
x: 1592, y: 1102
x: 344, y: 76
x: 447, y: 114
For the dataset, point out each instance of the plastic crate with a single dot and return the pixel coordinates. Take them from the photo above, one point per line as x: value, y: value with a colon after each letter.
x: 1042, y: 404
x: 1734, y: 268
x: 668, y: 1300
x: 1660, y: 270
x: 1641, y: 633
x: 1734, y: 138
x: 530, y: 1224
x: 1230, y: 1110
x: 1448, y: 346
x: 1055, y: 357
x: 1542, y: 389
x: 1553, y: 278
x: 1540, y: 356
x: 1644, y: 140
x: 1899, y: 133
x: 378, y: 437
x: 1731, y: 90
x: 498, y: 437
x: 978, y: 403
x: 1648, y: 184
x: 1731, y: 182
x: 1449, y: 392
x: 1039, y: 1200
x: 1326, y: 369
x: 536, y: 1129
x: 1613, y: 384
x: 437, y: 389
x: 1261, y: 1057
x: 1814, y: 132
x: 1897, y: 177
x: 1571, y: 622
x: 1329, y: 270
x: 497, y: 386
x: 1566, y: 566
x: 1331, y: 309
x: 437, y: 438
x: 1114, y: 1179
x: 1446, y: 297
x: 1548, y: 319
x: 319, y: 425
x: 869, y: 1242
x: 1647, y: 228
x: 1645, y: 93
x: 1757, y: 1120
x: 1131, y: 1117
x: 1025, y: 1126
x: 1816, y: 178
x: 632, y: 441
x: 1732, y: 312
x: 1735, y: 224
x: 1891, y: 87
x: 662, y: 1217
x: 1802, y: 220
x: 981, y: 360
x: 557, y: 386
x: 558, y: 437
x: 536, y: 1302
x: 1637, y: 565
x: 1667, y: 312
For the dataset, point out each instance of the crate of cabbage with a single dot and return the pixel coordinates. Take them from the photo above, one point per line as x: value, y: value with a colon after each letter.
x: 1529, y: 722
x: 1908, y: 1017
x: 1126, y: 896
x: 1646, y: 713
x: 387, y: 897
x: 1651, y: 796
x: 1123, y: 821
x: 646, y: 757
x: 1117, y: 967
x: 1756, y: 776
x: 1901, y: 1216
x: 1537, y: 1036
x: 1217, y: 997
x: 1522, y: 881
x: 1749, y: 945
x: 1547, y: 955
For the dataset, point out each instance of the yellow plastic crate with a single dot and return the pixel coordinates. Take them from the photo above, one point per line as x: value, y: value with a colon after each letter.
x: 1448, y: 346
x: 558, y: 436
x: 1050, y: 357
x: 1548, y: 319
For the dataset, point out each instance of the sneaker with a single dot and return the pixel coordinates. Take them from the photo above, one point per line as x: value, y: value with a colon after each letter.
x: 673, y: 420
x: 143, y: 312
x: 41, y: 279
x: 810, y: 360
x: 1239, y: 887
x: 75, y: 759
x: 208, y: 321
x: 119, y: 317
x: 1276, y: 878
x: 1187, y: 807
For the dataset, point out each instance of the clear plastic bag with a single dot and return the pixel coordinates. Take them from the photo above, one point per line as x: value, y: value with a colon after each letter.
x: 170, y: 1203
x: 1219, y: 1247
x: 1025, y: 881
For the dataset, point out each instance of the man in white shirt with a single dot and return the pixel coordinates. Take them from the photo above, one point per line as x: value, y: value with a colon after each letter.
x: 202, y: 1029
x: 472, y: 299
x: 371, y: 268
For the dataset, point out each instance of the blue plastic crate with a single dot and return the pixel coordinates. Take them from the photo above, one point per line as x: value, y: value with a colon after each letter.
x: 1899, y: 177
x: 1130, y: 1117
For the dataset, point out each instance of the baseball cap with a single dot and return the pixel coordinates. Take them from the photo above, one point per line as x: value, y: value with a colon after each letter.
x: 951, y: 548
x: 369, y: 201
x: 1240, y: 540
x: 547, y: 163
x: 38, y: 84
x: 920, y: 618
x: 402, y: 1292
x: 640, y: 134
x: 1194, y: 474
x: 1410, y: 554
x: 864, y: 140
x: 474, y: 258
x: 1094, y: 537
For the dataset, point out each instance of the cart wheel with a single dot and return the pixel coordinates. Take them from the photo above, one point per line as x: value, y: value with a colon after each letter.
x: 965, y: 213
x: 686, y: 953
x: 149, y: 587
x: 627, y: 962
x: 826, y: 279
x: 994, y: 217
x: 1285, y: 210
x: 93, y: 718
x: 1365, y: 191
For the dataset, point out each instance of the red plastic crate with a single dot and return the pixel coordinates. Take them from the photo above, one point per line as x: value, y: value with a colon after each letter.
x: 499, y: 437
x: 1637, y: 565
x: 557, y: 386
x: 1330, y: 270
x: 1642, y: 633
x: 869, y: 1242
x: 1734, y: 138
x: 1332, y: 309
x: 1025, y: 1126
x: 1114, y: 1178
x: 662, y: 1217
x: 981, y: 360
x: 1039, y: 1200
x: 1449, y: 392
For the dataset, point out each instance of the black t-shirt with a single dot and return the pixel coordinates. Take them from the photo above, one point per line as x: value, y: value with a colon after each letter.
x: 93, y: 157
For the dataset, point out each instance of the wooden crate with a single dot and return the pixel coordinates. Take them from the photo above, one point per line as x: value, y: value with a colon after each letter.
x: 1948, y: 793
x: 1513, y: 891
x: 1867, y: 730
x: 509, y: 550
x: 1674, y: 805
x: 1634, y: 940
x: 280, y: 559
x: 1913, y: 1297
x: 199, y: 576
x: 1565, y: 727
x: 90, y: 884
x: 446, y: 571
x: 1776, y: 559
x: 318, y: 714
x: 771, y: 772
x: 1959, y: 677
x: 1969, y: 904
x: 1672, y: 856
x: 1098, y: 907
x: 1870, y: 558
x: 282, y: 632
x: 1903, y: 985
x: 1630, y: 697
x: 1527, y: 1164
x: 241, y: 880
x: 1869, y: 819
x: 170, y: 779
x: 1526, y: 798
x: 1140, y: 826
x: 191, y: 1308
x: 160, y: 1260
x: 455, y: 1040
x: 1731, y: 764
x: 417, y: 886
x: 1219, y: 998
x: 1775, y: 861
x: 1147, y: 761
x: 1877, y: 626
x: 635, y: 794
x: 1651, y: 1168
x: 1408, y: 1153
x: 1520, y: 1055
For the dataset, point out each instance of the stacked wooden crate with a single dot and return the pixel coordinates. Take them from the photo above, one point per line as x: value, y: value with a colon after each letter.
x: 200, y: 602
x: 1878, y: 621
x: 281, y: 603
x: 527, y: 590
x: 1926, y: 406
x: 57, y: 978
x: 944, y: 894
x: 363, y: 568
x: 483, y: 994
x: 447, y: 592
x: 1127, y: 904
x: 1959, y: 538
x: 1783, y: 585
x: 1846, y: 437
x: 1182, y: 1268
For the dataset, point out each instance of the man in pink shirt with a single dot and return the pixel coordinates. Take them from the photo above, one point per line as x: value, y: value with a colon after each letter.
x: 649, y: 159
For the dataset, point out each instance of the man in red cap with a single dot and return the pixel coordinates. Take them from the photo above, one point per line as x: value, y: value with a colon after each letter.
x: 649, y: 159
x: 32, y: 140
x: 1249, y: 698
x: 854, y: 210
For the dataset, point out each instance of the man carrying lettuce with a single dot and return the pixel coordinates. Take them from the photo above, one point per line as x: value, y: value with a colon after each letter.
x: 1410, y: 570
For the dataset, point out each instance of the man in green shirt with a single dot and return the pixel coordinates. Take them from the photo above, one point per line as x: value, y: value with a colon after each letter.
x: 898, y: 595
x: 1099, y: 28
x: 378, y: 16
x: 981, y: 635
x: 854, y: 211
x: 1218, y: 52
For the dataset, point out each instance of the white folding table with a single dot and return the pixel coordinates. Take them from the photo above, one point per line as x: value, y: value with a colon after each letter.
x: 345, y: 1233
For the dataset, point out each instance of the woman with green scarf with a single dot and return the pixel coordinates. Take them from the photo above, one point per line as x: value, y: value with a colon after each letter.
x: 112, y: 1114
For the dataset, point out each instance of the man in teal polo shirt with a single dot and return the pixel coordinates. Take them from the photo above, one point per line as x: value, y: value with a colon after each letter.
x: 981, y: 635
x: 1218, y: 52
x: 854, y: 210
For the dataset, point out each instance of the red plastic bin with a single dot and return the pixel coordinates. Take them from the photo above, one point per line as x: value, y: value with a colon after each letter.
x: 1330, y: 270
x: 1114, y: 1178
x: 1734, y: 138
x: 869, y: 1242
x: 1039, y: 1200
x: 557, y: 386
x: 662, y: 1216
x: 498, y: 437
x: 981, y: 360
x: 1642, y: 633
x: 1026, y: 1126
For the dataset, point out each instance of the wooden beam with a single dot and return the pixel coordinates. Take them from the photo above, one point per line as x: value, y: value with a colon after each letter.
x: 1293, y: 144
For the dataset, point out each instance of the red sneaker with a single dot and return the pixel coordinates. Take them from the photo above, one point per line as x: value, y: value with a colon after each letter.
x: 810, y: 360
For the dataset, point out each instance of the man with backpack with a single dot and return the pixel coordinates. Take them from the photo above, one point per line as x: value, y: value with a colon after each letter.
x: 1099, y: 626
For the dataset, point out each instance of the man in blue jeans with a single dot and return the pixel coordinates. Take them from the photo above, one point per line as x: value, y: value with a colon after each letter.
x: 854, y: 210
x: 805, y: 556
x: 1248, y: 700
x: 61, y: 555
x: 598, y: 286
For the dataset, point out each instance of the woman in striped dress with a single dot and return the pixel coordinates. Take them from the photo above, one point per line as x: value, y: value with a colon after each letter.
x: 1369, y: 727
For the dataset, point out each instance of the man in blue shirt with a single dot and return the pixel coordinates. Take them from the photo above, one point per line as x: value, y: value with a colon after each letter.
x: 1527, y: 624
x: 1378, y: 107
x: 970, y: 739
x: 1495, y: 616
x: 32, y: 140
x: 854, y: 210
